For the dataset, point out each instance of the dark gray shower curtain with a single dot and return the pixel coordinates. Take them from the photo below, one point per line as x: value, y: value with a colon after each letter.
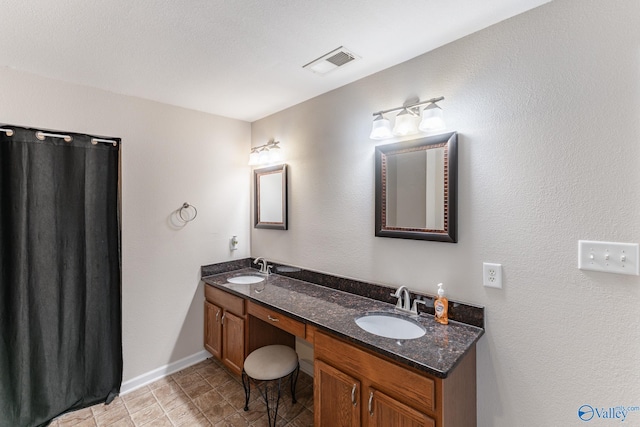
x: 60, y: 308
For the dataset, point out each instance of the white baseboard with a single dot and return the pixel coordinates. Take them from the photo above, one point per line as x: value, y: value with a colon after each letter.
x: 163, y: 371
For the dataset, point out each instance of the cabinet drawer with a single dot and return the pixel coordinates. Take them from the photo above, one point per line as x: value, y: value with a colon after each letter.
x: 276, y: 319
x: 385, y: 411
x: 224, y: 299
x: 405, y: 385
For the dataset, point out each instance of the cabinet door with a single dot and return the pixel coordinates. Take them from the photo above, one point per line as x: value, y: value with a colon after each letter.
x: 385, y: 411
x: 336, y: 397
x: 233, y: 342
x: 213, y: 329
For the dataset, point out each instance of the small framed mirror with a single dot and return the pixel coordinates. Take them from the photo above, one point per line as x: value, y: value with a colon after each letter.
x: 270, y: 201
x: 416, y: 189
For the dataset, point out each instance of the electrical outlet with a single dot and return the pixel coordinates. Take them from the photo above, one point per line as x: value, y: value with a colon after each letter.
x: 492, y: 275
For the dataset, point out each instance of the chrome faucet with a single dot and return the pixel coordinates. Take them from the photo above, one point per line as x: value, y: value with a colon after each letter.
x: 404, y: 299
x: 264, y: 265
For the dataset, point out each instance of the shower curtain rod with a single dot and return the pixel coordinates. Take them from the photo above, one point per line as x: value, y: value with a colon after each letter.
x: 42, y: 135
x: 68, y: 138
x: 94, y: 141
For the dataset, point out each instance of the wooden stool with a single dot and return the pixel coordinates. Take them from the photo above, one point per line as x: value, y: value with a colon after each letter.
x: 267, y: 364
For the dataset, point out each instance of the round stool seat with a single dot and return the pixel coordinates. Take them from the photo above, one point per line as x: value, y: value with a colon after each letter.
x: 271, y: 362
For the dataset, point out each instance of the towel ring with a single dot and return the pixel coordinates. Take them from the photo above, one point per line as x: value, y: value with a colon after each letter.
x: 184, y: 207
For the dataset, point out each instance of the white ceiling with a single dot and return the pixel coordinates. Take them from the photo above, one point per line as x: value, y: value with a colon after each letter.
x: 236, y: 58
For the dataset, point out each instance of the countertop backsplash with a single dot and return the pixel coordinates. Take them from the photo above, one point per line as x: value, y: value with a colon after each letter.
x: 460, y: 312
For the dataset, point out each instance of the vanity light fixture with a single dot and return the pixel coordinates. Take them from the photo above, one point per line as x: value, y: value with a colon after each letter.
x: 265, y: 154
x: 405, y: 124
x: 381, y: 128
x: 432, y: 118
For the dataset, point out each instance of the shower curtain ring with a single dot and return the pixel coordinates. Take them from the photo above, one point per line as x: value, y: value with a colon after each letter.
x: 184, y: 207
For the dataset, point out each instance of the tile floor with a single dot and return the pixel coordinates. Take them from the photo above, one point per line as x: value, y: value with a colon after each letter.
x: 205, y: 394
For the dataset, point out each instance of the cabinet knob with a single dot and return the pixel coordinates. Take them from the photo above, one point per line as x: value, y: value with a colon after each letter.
x: 273, y: 319
x: 371, y: 403
x: 222, y: 320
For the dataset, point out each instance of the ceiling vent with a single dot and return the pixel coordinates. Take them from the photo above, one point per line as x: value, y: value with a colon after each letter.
x: 332, y: 60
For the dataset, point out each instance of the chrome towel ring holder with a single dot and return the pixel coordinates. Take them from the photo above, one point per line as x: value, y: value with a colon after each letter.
x: 183, y: 212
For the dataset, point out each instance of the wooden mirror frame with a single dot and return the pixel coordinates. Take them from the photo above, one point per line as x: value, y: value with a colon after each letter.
x: 258, y: 217
x: 449, y: 142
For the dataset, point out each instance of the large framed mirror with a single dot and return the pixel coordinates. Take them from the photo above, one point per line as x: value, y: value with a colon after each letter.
x: 270, y: 202
x: 416, y: 189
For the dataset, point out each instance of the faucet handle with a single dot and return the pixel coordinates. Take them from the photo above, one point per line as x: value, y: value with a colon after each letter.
x: 416, y: 301
x: 398, y: 294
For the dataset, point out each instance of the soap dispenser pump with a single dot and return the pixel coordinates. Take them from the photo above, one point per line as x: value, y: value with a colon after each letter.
x: 441, y: 306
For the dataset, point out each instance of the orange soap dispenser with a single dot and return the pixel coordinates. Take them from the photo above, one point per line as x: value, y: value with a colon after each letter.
x: 441, y: 306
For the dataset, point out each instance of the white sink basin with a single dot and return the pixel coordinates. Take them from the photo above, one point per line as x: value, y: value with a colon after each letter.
x: 391, y: 325
x: 245, y: 280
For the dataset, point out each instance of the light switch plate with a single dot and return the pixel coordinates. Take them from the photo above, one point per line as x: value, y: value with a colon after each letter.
x: 609, y: 257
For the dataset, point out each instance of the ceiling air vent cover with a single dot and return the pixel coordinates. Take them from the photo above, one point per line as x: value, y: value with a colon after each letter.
x: 332, y: 60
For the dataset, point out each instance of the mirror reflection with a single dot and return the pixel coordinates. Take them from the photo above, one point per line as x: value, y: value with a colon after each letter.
x: 416, y: 188
x: 271, y: 197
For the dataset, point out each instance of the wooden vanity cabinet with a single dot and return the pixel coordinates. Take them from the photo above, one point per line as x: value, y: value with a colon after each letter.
x: 224, y: 328
x: 336, y: 396
x: 386, y: 411
x: 234, y: 327
x: 213, y: 329
x: 354, y: 387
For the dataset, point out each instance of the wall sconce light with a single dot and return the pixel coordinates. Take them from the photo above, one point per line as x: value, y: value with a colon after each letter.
x: 381, y: 128
x: 406, y: 120
x: 265, y: 154
x: 405, y: 123
x: 432, y: 118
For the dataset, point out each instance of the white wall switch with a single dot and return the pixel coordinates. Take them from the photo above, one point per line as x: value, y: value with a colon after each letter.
x: 492, y: 275
x: 610, y: 257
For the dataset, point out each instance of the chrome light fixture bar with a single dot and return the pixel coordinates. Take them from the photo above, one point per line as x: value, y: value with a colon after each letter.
x: 432, y: 119
x: 265, y: 154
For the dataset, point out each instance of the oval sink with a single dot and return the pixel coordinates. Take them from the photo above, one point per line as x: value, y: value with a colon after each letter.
x: 245, y: 280
x: 391, y: 325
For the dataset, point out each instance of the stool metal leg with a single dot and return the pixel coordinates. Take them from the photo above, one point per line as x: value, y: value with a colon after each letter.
x: 294, y: 381
x: 246, y: 383
x: 271, y: 394
x: 271, y: 397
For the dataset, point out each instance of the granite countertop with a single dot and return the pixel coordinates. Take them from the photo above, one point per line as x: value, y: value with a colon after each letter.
x: 436, y: 353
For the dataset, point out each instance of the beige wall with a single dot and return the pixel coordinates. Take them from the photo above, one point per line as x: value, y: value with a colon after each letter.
x: 547, y: 105
x: 169, y: 155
